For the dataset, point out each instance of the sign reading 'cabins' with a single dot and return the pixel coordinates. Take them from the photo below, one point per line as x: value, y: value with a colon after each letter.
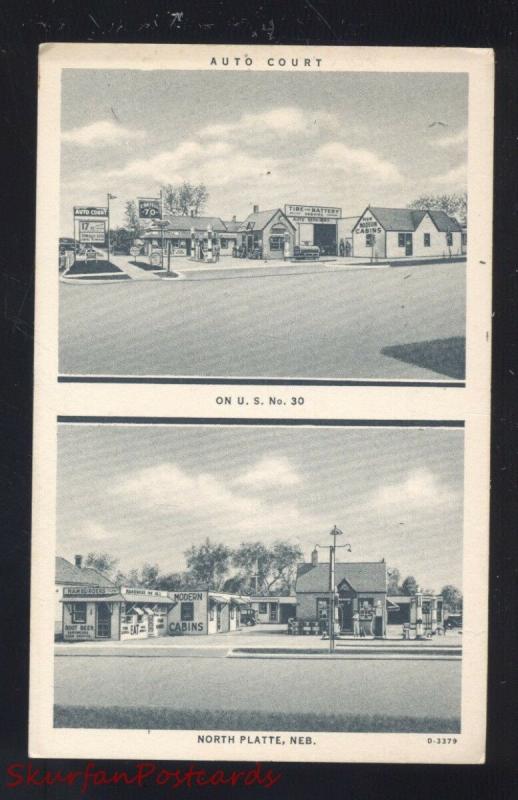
x: 368, y: 225
x: 90, y: 211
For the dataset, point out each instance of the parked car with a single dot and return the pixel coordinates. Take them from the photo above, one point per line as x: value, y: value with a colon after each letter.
x: 90, y: 254
x: 248, y: 616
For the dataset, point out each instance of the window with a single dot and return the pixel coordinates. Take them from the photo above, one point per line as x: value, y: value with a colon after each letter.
x: 263, y: 608
x: 187, y: 612
x: 211, y: 612
x: 277, y: 243
x: 223, y: 244
x: 401, y: 240
x: 79, y: 613
x: 322, y: 608
x: 232, y: 611
x: 449, y: 239
x: 370, y: 238
x: 426, y: 239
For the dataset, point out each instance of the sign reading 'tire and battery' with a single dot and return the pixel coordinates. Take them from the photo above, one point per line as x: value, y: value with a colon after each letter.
x: 149, y: 208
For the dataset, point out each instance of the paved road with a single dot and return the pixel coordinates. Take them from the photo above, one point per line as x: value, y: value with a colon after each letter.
x: 420, y: 690
x: 391, y: 323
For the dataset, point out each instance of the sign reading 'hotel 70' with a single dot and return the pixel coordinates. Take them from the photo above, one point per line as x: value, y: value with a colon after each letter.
x: 90, y: 211
x: 149, y: 208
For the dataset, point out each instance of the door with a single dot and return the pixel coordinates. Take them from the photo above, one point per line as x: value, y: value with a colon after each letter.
x: 104, y: 621
x: 218, y: 616
x: 409, y: 244
x: 274, y: 612
x: 346, y: 615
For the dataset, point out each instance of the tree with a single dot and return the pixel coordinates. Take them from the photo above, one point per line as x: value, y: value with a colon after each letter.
x: 208, y: 563
x: 102, y: 562
x: 265, y: 569
x: 132, y: 219
x: 394, y: 578
x: 455, y: 205
x: 452, y: 597
x: 175, y: 581
x: 409, y: 585
x: 185, y: 198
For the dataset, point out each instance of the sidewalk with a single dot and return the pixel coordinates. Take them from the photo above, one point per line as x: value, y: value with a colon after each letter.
x: 264, y: 644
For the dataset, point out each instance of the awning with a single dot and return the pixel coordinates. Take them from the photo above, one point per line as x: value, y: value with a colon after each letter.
x: 148, y: 610
x: 239, y: 601
x: 218, y: 598
x: 392, y: 606
x: 109, y: 598
x: 137, y: 610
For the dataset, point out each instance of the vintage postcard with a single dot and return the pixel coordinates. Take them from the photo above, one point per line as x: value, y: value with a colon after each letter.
x: 261, y: 449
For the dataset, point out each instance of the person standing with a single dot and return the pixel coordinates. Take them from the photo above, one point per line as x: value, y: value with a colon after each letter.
x: 356, y: 625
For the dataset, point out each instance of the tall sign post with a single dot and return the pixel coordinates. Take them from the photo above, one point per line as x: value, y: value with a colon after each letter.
x: 92, y: 225
x: 108, y: 198
x: 334, y: 532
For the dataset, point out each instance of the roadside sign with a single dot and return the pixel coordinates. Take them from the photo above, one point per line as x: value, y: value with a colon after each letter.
x: 134, y: 251
x: 90, y: 211
x: 92, y: 232
x: 149, y: 208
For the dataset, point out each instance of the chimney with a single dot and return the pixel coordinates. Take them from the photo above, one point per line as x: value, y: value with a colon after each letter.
x: 314, y: 558
x: 256, y: 209
x: 78, y: 561
x: 234, y: 218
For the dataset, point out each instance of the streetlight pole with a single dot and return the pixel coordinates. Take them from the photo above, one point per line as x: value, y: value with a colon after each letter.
x: 108, y: 198
x: 334, y: 532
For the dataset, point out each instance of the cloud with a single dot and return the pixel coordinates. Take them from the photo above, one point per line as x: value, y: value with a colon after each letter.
x: 205, y: 503
x: 281, y: 121
x: 270, y: 472
x: 420, y: 488
x: 94, y: 532
x: 102, y: 132
x: 344, y: 158
x: 453, y: 140
x: 453, y: 177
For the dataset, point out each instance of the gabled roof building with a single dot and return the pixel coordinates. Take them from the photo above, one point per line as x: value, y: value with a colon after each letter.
x: 361, y: 589
x: 405, y: 233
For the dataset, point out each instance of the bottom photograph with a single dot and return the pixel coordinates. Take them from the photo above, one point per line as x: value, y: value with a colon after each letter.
x: 265, y: 577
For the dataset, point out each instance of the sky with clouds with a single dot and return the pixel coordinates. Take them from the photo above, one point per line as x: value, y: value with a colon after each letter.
x: 335, y: 139
x: 146, y: 493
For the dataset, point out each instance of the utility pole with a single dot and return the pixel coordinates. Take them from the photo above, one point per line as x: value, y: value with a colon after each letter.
x: 334, y: 532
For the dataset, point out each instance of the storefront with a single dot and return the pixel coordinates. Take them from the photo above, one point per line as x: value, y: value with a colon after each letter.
x: 273, y: 610
x: 421, y: 614
x: 144, y: 613
x: 187, y: 237
x: 267, y: 235
x: 91, y: 613
x: 315, y: 225
x: 360, y: 595
x: 68, y: 575
x: 401, y: 233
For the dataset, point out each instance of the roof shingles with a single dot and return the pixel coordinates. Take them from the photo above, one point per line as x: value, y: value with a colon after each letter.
x: 364, y: 576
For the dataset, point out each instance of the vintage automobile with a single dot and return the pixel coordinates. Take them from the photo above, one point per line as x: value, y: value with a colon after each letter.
x: 248, y: 616
x: 306, y: 252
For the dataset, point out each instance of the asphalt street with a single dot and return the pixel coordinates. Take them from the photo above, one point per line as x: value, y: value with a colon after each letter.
x: 212, y: 685
x: 380, y: 323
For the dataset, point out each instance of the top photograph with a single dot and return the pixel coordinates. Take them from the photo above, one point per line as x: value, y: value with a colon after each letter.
x: 256, y: 225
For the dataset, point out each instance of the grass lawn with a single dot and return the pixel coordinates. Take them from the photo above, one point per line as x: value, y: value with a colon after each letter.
x: 146, y: 718
x: 92, y: 267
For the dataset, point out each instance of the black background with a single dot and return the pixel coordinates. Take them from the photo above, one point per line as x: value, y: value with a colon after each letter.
x: 24, y: 25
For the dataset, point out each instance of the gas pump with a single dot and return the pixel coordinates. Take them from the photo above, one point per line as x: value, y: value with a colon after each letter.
x: 287, y: 253
x: 378, y: 620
